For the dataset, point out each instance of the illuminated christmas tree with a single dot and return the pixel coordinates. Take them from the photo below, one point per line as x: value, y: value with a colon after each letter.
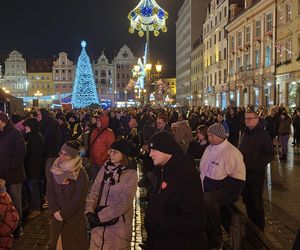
x: 84, y: 91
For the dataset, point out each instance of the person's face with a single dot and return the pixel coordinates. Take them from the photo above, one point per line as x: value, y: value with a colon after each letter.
x: 220, y: 118
x: 273, y: 112
x: 2, y: 125
x: 27, y: 129
x: 214, y: 140
x: 60, y: 122
x: 63, y: 156
x: 71, y: 119
x: 115, y: 156
x: 39, y: 116
x: 251, y: 120
x: 159, y: 158
x: 298, y: 113
x: 231, y: 111
x: 160, y: 123
x: 93, y: 120
x: 99, y: 123
x: 282, y: 117
x: 200, y: 136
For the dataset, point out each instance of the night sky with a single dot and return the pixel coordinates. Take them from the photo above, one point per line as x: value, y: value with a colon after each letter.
x: 41, y: 28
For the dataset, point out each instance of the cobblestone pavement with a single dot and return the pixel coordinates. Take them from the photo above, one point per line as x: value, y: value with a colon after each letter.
x: 282, y: 205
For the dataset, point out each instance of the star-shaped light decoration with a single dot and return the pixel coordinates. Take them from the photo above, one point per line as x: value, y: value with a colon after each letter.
x: 148, y: 15
x: 83, y: 44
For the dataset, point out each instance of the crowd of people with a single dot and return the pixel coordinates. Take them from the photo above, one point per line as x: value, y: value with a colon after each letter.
x: 81, y: 166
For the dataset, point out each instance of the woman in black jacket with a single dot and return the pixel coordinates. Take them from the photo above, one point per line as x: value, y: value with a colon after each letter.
x: 32, y: 165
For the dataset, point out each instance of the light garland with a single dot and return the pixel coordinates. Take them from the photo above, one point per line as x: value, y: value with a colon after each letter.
x: 84, y: 90
x: 148, y: 15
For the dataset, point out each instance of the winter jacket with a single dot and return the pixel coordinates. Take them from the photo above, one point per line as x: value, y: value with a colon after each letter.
x: 196, y: 149
x: 99, y: 150
x: 34, y: 156
x: 175, y: 217
x: 65, y: 134
x: 257, y: 149
x: 50, y: 131
x: 118, y: 199
x: 70, y: 200
x: 284, y: 126
x: 12, y: 154
x: 272, y: 124
x: 9, y: 220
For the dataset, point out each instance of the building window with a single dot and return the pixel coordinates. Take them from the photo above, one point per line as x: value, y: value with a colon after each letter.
x: 96, y: 72
x: 288, y: 12
x: 220, y: 36
x: 268, y: 56
x: 220, y: 16
x: 225, y: 54
x: 220, y: 56
x: 269, y: 22
x: 56, y: 71
x: 239, y: 39
x: 103, y: 81
x: 257, y: 58
x: 63, y: 71
x: 258, y: 29
x: 215, y: 78
x: 247, y: 36
x: 238, y: 64
x: 220, y: 76
x: 118, y: 66
x: 225, y: 11
x: 215, y: 38
x: 232, y: 45
x: 289, y: 52
x: 225, y: 75
x: 103, y: 73
x: 246, y: 61
x: 231, y: 68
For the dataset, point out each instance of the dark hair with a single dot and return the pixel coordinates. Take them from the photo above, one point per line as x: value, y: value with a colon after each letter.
x: 250, y: 111
x: 203, y: 130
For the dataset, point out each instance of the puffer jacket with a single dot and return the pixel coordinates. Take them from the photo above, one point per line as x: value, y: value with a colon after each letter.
x: 119, y: 201
x: 99, y: 150
x: 9, y: 219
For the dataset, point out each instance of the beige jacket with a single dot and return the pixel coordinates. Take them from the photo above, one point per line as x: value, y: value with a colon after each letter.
x: 119, y: 204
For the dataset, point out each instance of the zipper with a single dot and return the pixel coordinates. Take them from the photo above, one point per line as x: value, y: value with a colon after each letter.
x: 104, y: 229
x: 161, y: 179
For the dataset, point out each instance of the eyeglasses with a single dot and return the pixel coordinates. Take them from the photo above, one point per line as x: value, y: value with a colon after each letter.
x: 250, y: 118
x: 113, y: 151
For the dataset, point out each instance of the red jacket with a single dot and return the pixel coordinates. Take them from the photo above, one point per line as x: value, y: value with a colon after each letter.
x: 9, y: 220
x: 99, y: 149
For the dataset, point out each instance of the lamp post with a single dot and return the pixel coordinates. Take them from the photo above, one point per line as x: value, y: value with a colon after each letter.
x: 145, y: 17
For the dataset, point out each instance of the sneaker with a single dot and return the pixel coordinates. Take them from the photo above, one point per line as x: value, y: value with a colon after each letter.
x: 18, y: 232
x: 34, y: 214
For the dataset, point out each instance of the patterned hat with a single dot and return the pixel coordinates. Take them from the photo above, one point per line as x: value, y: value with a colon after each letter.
x: 218, y: 130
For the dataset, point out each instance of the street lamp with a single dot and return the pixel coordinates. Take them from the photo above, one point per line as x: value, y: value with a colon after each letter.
x: 158, y: 67
x: 5, y: 90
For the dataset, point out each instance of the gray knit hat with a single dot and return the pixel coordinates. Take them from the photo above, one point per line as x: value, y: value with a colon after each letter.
x: 71, y: 148
x: 218, y: 130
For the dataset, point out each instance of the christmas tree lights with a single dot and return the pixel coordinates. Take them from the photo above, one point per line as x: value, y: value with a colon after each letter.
x: 84, y: 90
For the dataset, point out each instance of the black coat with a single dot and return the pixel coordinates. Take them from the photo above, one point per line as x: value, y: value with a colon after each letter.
x: 175, y: 216
x: 33, y: 159
x: 51, y: 134
x: 65, y: 134
x: 12, y: 153
x: 272, y: 124
x: 257, y: 149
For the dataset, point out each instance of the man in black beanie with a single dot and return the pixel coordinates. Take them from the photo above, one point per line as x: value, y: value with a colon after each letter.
x: 175, y: 216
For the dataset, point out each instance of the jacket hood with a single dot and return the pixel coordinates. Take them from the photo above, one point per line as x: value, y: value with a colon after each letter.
x: 45, y: 114
x: 104, y: 119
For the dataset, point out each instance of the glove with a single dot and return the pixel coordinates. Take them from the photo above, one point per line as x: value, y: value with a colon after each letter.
x: 93, y: 220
